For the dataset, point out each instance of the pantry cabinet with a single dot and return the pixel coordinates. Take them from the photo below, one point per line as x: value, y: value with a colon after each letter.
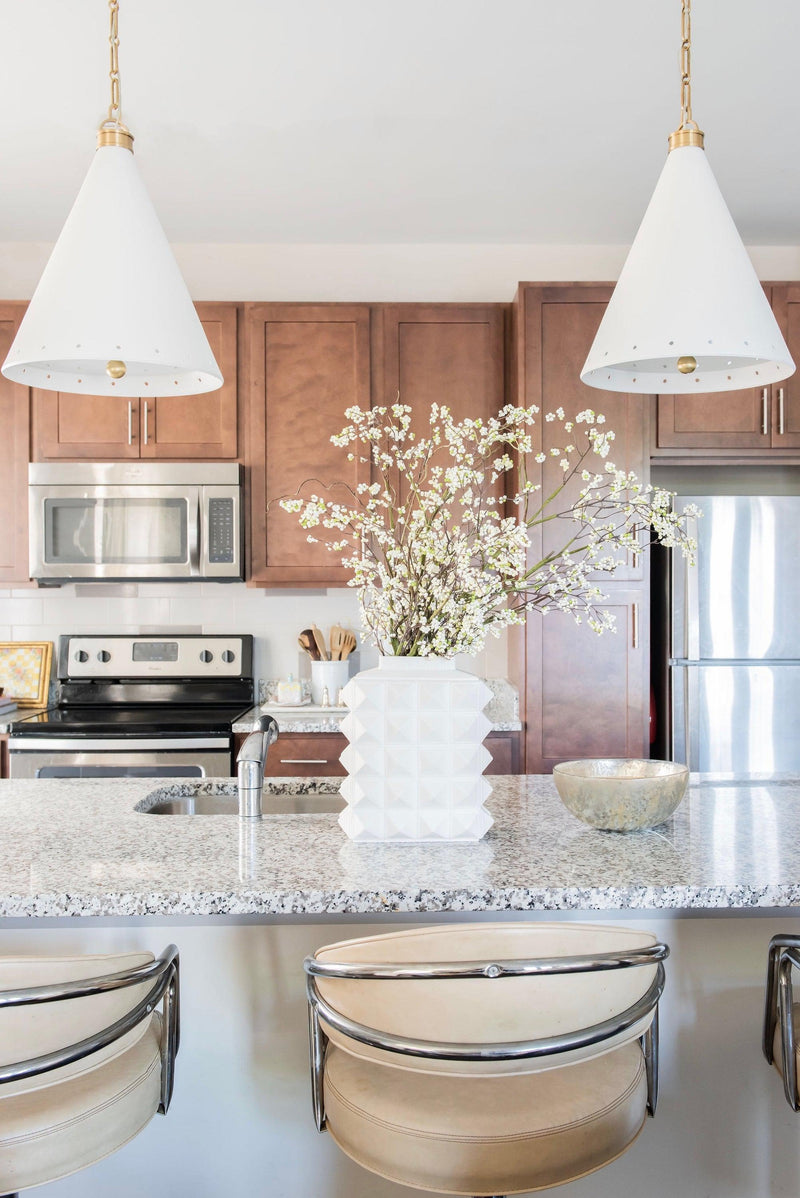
x: 581, y: 694
x: 69, y: 427
x: 15, y: 440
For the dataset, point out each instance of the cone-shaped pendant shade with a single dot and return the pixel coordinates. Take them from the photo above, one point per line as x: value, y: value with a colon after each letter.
x: 112, y: 294
x: 687, y: 291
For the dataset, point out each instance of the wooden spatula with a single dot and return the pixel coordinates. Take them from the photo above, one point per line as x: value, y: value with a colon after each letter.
x: 319, y: 639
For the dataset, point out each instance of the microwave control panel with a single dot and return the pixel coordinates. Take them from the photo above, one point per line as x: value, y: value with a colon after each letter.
x: 221, y: 530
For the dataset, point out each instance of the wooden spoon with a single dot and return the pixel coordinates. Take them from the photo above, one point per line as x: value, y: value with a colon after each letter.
x: 337, y: 635
x: 320, y: 642
x: 307, y: 640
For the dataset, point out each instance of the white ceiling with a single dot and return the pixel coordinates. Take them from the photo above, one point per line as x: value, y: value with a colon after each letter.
x: 516, y: 121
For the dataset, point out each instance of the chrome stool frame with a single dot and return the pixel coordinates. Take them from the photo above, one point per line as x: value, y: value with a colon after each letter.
x: 512, y: 1050
x: 784, y: 956
x: 164, y: 973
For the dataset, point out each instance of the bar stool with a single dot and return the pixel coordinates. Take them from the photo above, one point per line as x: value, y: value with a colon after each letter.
x: 782, y: 1014
x: 86, y: 1060
x: 486, y: 1059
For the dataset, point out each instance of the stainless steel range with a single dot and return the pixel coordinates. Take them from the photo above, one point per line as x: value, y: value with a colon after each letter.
x: 155, y: 706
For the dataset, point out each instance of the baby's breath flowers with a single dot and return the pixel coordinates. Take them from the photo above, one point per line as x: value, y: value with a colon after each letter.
x: 439, y: 544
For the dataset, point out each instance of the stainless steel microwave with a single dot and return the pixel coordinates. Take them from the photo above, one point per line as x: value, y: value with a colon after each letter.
x: 128, y: 521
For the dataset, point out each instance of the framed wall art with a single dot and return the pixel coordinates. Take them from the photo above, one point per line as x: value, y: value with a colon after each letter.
x: 25, y: 671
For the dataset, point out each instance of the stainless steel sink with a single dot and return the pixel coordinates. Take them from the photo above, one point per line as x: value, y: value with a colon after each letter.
x: 221, y: 798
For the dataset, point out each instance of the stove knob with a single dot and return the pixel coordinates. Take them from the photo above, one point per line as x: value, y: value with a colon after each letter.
x: 228, y: 656
x: 206, y: 655
x: 81, y: 655
x: 104, y: 655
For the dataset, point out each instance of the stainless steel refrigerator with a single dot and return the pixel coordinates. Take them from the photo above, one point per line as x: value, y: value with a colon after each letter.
x: 735, y: 638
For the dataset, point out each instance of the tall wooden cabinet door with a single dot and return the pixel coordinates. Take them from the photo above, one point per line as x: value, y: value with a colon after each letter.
x: 306, y: 365
x: 588, y: 695
x: 93, y: 427
x: 450, y: 354
x: 15, y: 440
x: 582, y: 694
x: 786, y: 394
x: 198, y: 426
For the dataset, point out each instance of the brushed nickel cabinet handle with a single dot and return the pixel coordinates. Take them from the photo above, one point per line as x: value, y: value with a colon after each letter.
x: 764, y: 413
x: 635, y: 626
x: 145, y: 421
x: 304, y: 761
x: 781, y: 412
x: 130, y: 422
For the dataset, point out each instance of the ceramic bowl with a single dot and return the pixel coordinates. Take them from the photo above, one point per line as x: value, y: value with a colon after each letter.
x: 619, y: 794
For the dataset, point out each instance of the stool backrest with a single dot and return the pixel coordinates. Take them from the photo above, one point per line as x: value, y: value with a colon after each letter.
x: 39, y: 1028
x: 484, y: 1011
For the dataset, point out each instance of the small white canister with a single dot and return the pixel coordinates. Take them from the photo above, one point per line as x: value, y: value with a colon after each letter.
x: 330, y: 676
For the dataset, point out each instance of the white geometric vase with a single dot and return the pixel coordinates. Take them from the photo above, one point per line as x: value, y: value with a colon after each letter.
x: 416, y: 757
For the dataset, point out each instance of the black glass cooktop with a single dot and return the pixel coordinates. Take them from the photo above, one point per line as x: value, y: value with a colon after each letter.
x: 132, y: 721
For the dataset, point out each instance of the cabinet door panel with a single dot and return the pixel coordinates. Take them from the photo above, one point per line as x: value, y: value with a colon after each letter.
x: 93, y: 427
x: 716, y: 423
x: 14, y: 438
x: 786, y: 395
x: 198, y: 426
x: 308, y: 363
x: 567, y: 332
x: 587, y: 694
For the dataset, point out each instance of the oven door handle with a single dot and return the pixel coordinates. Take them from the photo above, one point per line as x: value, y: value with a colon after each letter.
x: 129, y: 744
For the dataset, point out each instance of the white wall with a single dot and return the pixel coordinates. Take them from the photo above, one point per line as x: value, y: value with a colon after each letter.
x: 241, y: 1122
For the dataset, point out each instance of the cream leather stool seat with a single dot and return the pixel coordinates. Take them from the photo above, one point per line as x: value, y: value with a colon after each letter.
x: 86, y: 1059
x: 781, y: 1040
x: 486, y: 1059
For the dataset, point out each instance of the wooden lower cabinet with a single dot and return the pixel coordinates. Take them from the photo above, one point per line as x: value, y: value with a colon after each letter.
x: 15, y: 440
x: 3, y: 756
x: 316, y: 754
x: 584, y: 695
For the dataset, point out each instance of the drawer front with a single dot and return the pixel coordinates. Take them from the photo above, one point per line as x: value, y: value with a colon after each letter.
x: 306, y: 755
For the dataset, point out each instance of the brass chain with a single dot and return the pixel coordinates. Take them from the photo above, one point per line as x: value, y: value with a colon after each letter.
x: 115, y: 107
x: 686, y: 66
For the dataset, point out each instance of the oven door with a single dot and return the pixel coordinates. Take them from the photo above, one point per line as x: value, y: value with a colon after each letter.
x: 114, y: 532
x: 130, y: 762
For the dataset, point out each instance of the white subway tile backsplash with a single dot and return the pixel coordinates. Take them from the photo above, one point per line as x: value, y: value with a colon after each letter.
x: 274, y: 617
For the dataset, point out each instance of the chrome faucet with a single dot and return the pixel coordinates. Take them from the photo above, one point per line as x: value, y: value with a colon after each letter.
x: 250, y: 767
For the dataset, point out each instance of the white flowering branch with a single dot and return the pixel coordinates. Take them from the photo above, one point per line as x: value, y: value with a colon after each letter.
x: 440, y: 543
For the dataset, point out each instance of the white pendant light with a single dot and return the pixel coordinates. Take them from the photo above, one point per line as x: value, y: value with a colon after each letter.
x: 111, y: 314
x: 688, y: 312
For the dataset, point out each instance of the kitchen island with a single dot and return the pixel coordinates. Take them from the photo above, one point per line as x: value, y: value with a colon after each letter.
x: 82, y: 870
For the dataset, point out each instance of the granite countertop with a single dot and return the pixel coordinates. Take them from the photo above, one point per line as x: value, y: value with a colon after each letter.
x: 78, y: 848
x: 502, y: 711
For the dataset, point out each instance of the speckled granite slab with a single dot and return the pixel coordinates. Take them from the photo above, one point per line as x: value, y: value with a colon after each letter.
x: 502, y: 711
x: 79, y: 848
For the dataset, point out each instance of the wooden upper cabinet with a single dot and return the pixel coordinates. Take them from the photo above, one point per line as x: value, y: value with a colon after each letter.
x: 759, y: 421
x: 198, y: 426
x: 111, y: 428
x: 786, y: 394
x: 14, y: 437
x: 307, y: 363
x: 449, y: 354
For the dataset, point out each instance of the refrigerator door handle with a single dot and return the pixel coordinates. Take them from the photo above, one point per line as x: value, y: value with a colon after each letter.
x: 691, y: 604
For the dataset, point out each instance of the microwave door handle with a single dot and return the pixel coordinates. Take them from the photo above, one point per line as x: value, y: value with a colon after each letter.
x: 194, y: 534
